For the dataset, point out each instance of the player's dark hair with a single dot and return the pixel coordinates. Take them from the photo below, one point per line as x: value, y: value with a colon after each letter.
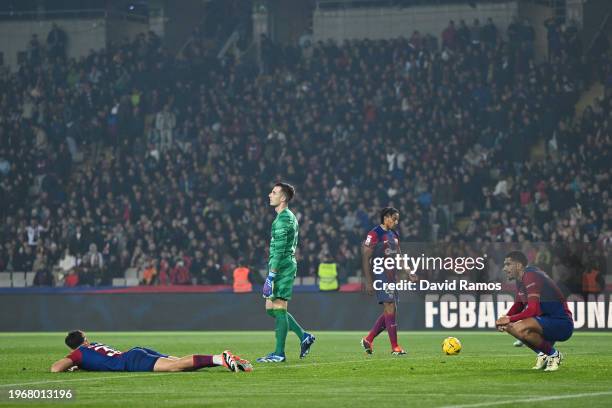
x: 74, y: 339
x: 518, y: 256
x: 387, y: 212
x: 287, y: 189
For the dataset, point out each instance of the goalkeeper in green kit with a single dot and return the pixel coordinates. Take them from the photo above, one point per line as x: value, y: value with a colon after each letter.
x: 282, y: 267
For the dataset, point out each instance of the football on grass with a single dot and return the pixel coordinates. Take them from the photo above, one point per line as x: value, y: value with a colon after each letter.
x: 451, y: 346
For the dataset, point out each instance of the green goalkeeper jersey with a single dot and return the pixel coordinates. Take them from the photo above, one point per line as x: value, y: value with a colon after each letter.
x: 284, y: 240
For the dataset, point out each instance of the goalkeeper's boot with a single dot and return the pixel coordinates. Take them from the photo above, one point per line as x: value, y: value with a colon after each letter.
x: 541, y: 361
x: 554, y: 361
x: 367, y: 345
x: 229, y: 361
x: 272, y: 358
x: 518, y: 343
x: 398, y: 351
x: 306, y: 343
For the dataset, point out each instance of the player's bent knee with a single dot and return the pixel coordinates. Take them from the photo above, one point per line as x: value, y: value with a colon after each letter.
x: 517, y: 330
x: 523, y: 331
x: 513, y: 332
x: 279, y: 304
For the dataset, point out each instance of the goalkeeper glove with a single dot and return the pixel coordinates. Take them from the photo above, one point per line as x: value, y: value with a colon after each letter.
x: 269, y: 285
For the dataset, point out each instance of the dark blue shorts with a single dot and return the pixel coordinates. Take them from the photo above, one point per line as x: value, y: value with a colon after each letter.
x: 141, y: 359
x: 386, y: 296
x: 556, y: 329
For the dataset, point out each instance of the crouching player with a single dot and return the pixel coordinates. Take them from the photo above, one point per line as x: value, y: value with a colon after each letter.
x: 99, y: 357
x: 540, y: 316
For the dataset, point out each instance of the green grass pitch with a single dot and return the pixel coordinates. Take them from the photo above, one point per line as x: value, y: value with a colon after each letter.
x: 489, y: 371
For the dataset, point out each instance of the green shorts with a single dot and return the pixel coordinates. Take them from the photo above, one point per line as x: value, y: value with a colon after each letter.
x: 283, y: 283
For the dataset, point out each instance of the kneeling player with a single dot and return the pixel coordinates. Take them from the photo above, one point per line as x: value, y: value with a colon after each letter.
x: 539, y: 316
x: 99, y: 357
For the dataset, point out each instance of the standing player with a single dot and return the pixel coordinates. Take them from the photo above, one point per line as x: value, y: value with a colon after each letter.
x: 539, y: 316
x: 382, y: 241
x: 100, y: 357
x: 282, y: 268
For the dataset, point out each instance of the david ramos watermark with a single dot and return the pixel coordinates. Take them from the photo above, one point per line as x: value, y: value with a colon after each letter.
x: 461, y: 285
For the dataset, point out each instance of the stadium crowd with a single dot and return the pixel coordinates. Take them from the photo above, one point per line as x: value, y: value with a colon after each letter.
x: 133, y: 157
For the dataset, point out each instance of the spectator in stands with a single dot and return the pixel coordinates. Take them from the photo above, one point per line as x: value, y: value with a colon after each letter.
x: 149, y: 272
x: 213, y: 276
x: 164, y: 270
x: 165, y: 122
x: 34, y: 231
x: 34, y: 50
x: 68, y: 262
x: 463, y: 34
x: 92, y: 267
x: 198, y: 267
x: 514, y: 32
x: 72, y: 279
x: 56, y: 42
x: 476, y: 33
x: 180, y: 272
x: 489, y: 33
x: 449, y: 36
x: 43, y: 277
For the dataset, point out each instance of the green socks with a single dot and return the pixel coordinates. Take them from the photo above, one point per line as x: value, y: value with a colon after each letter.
x: 284, y: 321
x: 295, y: 327
x: 280, y: 328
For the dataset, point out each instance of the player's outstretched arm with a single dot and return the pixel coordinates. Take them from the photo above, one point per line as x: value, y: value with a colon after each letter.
x: 366, y: 255
x: 62, y: 365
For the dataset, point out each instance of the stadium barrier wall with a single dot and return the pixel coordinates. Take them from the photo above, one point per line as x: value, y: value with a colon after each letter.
x: 229, y: 311
x: 84, y: 34
x: 379, y: 23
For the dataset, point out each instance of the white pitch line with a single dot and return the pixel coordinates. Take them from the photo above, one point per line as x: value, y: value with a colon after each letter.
x: 536, y: 399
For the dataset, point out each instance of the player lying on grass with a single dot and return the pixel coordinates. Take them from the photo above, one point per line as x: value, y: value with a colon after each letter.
x: 539, y: 316
x: 99, y: 357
